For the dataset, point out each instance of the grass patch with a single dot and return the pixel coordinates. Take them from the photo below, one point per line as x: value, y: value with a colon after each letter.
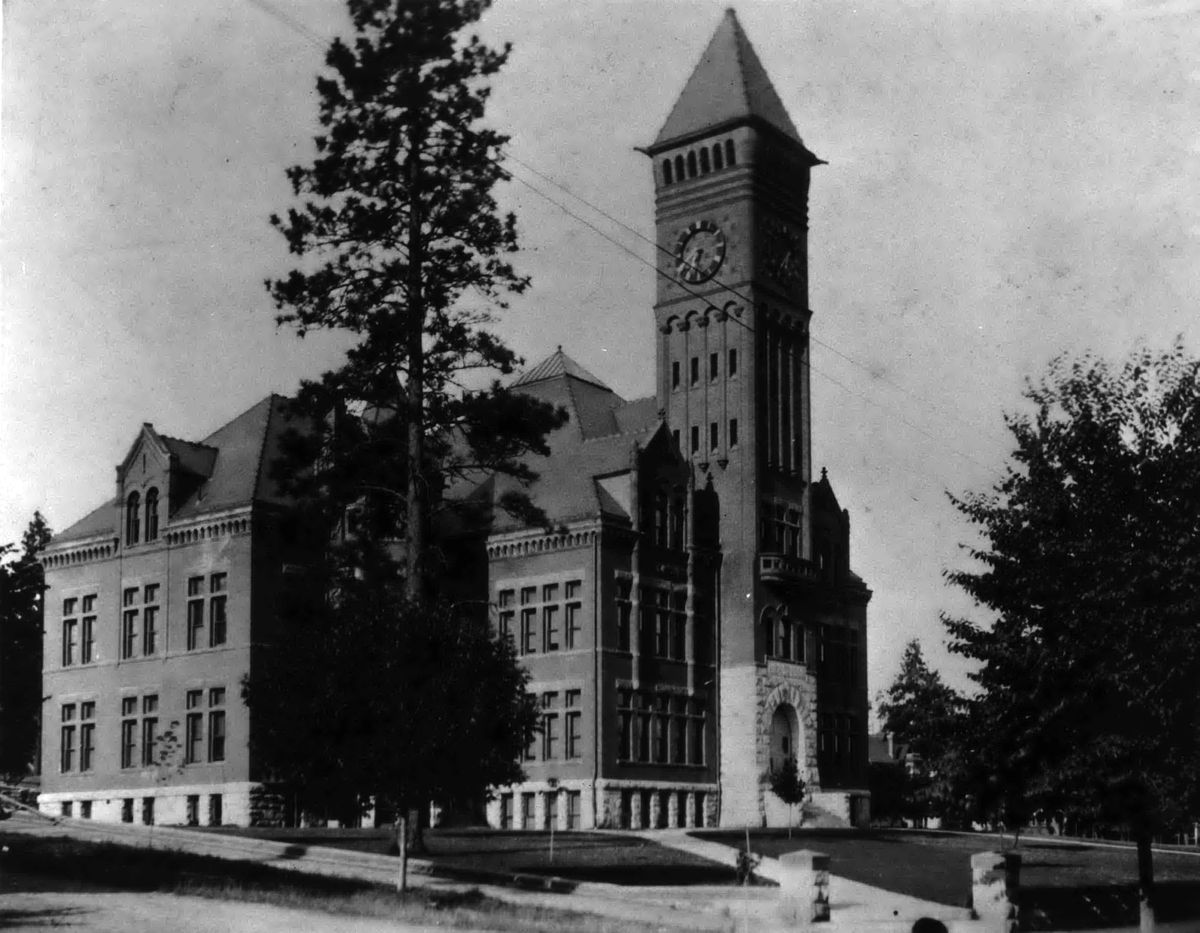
x: 1063, y: 887
x: 42, y: 863
x: 607, y: 857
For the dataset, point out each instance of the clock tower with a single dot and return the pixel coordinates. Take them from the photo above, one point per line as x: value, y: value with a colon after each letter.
x: 731, y: 211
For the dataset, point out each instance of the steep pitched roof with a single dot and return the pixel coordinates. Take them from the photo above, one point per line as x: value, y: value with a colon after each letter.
x: 561, y: 381
x: 557, y: 364
x: 233, y: 463
x: 728, y: 85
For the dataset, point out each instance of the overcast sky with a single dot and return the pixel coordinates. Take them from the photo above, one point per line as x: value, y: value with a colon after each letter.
x: 1006, y: 181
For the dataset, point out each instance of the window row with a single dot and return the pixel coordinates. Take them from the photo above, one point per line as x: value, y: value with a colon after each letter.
x: 527, y: 819
x: 662, y: 626
x: 142, y: 743
x: 838, y: 655
x: 714, y: 369
x: 785, y: 639
x: 134, y: 517
x: 714, y: 437
x: 549, y: 618
x: 659, y: 728
x: 839, y: 741
x: 560, y: 733
x: 141, y: 609
x: 699, y: 161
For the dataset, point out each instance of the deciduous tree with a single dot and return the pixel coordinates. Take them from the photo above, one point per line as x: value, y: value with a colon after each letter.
x: 1090, y: 567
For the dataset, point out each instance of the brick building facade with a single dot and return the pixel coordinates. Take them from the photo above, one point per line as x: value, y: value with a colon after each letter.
x: 691, y: 619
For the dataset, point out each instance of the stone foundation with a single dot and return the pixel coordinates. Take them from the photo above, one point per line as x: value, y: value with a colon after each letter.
x: 228, y: 804
x: 605, y: 804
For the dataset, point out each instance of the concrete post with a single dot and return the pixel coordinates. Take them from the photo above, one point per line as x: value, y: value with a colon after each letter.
x: 995, y: 881
x: 804, y: 887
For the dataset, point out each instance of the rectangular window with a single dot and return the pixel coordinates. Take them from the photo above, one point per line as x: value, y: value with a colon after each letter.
x: 550, y: 592
x: 215, y: 817
x: 505, y: 626
x: 130, y: 596
x: 528, y: 595
x: 69, y: 606
x: 193, y: 738
x: 695, y: 438
x: 528, y: 819
x: 149, y: 729
x: 549, y: 737
x: 216, y: 620
x: 69, y: 641
x: 714, y: 436
x: 87, y: 735
x: 695, y: 370
x: 67, y: 748
x: 714, y: 366
x: 551, y: 811
x: 193, y: 810
x: 127, y: 810
x: 550, y: 628
x: 89, y: 604
x: 195, y: 586
x: 85, y: 809
x: 150, y: 630
x: 574, y: 808
x: 574, y: 725
x: 675, y: 438
x: 733, y: 432
x: 731, y: 369
x: 675, y: 374
x: 150, y: 593
x: 87, y: 642
x: 506, y: 811
x: 68, y: 808
x: 216, y: 583
x: 625, y: 726
x: 129, y: 623
x: 195, y: 623
x: 505, y: 598
x: 678, y: 730
x: 128, y: 742
x: 216, y: 735
x: 528, y: 631
x: 624, y: 614
x: 573, y: 629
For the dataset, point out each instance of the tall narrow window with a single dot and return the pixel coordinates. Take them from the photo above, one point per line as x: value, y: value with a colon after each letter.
x: 733, y: 432
x: 216, y: 724
x: 695, y: 370
x: 718, y: 157
x: 573, y: 734
x: 704, y: 166
x: 695, y: 438
x: 128, y: 732
x: 70, y: 641
x: 714, y: 436
x: 573, y: 622
x: 133, y: 524
x: 67, y: 747
x: 152, y: 514
x: 679, y: 168
x: 691, y: 164
x: 666, y: 167
x: 624, y: 614
x: 675, y: 375
x: 730, y: 153
x: 714, y: 366
x: 731, y: 369
x: 149, y: 729
x: 193, y: 736
x: 195, y: 612
x: 216, y: 610
x: 87, y: 735
x: 87, y: 641
x: 550, y: 627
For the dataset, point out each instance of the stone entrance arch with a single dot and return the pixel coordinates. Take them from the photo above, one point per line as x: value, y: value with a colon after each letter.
x: 785, y: 730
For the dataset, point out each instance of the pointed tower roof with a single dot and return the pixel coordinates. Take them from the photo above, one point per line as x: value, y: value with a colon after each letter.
x: 728, y: 85
x: 557, y: 364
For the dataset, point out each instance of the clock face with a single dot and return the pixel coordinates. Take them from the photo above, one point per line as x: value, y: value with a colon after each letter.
x: 783, y: 254
x: 700, y: 252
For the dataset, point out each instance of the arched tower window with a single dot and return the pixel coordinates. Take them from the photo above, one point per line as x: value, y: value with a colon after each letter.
x: 691, y: 164
x: 679, y: 167
x: 730, y: 154
x: 152, y: 514
x: 718, y: 158
x: 704, y: 166
x: 667, y: 171
x: 133, y: 524
x: 783, y: 640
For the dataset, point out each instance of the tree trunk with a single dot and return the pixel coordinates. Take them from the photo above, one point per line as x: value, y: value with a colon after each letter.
x: 402, y: 845
x: 414, y: 352
x: 1145, y: 861
x: 416, y: 822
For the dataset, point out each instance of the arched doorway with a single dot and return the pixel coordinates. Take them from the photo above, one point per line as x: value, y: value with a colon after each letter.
x: 785, y: 727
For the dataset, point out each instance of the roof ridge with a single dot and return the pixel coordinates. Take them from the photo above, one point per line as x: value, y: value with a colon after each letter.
x: 262, y: 446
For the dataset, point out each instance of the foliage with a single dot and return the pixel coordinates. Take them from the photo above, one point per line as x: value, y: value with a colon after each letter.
x: 787, y: 785
x: 924, y: 716
x: 1091, y: 566
x: 402, y: 244
x: 370, y: 694
x: 22, y: 583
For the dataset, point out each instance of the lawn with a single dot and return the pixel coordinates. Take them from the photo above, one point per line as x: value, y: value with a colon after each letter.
x: 1063, y: 886
x: 39, y: 863
x: 578, y: 856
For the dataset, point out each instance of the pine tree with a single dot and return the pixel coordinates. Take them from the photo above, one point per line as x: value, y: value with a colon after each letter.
x: 22, y: 583
x: 788, y: 786
x: 1091, y: 569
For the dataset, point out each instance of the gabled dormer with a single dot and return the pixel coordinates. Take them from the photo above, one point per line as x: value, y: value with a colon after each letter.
x: 156, y: 475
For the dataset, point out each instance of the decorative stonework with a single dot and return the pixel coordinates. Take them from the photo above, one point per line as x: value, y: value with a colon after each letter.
x: 82, y: 553
x: 540, y: 544
x: 215, y: 529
